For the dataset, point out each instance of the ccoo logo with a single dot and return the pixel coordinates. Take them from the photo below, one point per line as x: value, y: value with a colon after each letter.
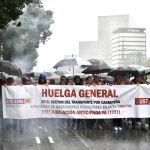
x: 18, y: 101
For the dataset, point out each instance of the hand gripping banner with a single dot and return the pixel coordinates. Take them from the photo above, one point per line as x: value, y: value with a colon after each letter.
x: 72, y: 101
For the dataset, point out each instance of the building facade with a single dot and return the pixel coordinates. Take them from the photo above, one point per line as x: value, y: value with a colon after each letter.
x: 128, y: 46
x: 101, y: 48
x: 89, y: 50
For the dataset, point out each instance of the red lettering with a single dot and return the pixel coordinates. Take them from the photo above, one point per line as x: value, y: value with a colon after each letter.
x: 57, y: 93
x: 109, y: 94
x: 104, y: 92
x: 115, y: 95
x: 81, y: 93
x: 87, y: 93
x: 73, y: 94
x: 67, y: 93
x: 44, y: 92
x: 93, y: 93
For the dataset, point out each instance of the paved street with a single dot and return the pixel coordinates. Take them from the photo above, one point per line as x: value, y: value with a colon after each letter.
x: 48, y: 137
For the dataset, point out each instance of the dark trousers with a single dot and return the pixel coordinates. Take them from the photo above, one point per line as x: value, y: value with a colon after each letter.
x: 117, y: 122
x: 90, y: 123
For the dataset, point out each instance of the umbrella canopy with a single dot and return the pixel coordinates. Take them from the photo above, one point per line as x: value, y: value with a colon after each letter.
x: 96, y: 62
x: 138, y: 67
x: 52, y: 70
x: 147, y: 71
x: 72, y: 62
x: 36, y: 74
x: 9, y: 68
x: 122, y: 70
x: 98, y: 66
x: 141, y: 70
x: 61, y: 72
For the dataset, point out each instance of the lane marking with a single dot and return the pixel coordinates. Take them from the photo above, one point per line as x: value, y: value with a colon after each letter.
x: 51, y: 140
x: 38, y: 140
x: 82, y: 141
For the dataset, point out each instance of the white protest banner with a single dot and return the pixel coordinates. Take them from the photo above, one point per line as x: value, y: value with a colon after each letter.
x: 71, y: 101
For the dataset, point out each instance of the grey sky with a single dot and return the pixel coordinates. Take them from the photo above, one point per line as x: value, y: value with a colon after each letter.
x: 76, y: 20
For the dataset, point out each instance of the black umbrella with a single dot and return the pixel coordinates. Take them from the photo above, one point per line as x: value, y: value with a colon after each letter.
x: 96, y: 61
x: 141, y: 70
x: 123, y: 71
x: 36, y: 74
x: 9, y: 68
x: 98, y: 66
x: 147, y: 71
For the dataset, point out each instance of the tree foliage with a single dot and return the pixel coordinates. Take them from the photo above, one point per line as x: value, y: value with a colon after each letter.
x: 19, y: 43
x: 11, y: 10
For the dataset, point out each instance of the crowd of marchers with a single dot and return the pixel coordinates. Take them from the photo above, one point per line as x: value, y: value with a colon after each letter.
x: 141, y: 124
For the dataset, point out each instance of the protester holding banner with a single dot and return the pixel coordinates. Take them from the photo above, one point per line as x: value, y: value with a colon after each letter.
x: 72, y: 101
x: 10, y: 81
x: 52, y: 82
x: 26, y: 80
x: 62, y: 122
x: 11, y: 123
x: 138, y: 79
x: 77, y: 81
x: 90, y: 122
x: 117, y: 123
x: 96, y: 82
x: 42, y: 79
x: 147, y: 82
x: 63, y: 80
x: 3, y: 81
x: 26, y: 124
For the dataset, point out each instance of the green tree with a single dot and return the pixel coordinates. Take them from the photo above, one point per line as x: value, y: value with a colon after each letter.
x: 11, y: 10
x: 19, y: 44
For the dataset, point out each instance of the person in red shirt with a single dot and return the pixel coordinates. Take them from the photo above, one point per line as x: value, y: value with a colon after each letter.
x: 11, y: 81
x: 26, y: 80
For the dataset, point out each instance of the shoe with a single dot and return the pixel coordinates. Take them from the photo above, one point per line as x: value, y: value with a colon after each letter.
x: 100, y: 127
x: 115, y: 128
x: 139, y: 123
x: 120, y: 128
x: 133, y: 128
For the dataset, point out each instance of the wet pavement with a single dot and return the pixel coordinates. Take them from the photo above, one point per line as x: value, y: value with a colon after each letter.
x: 48, y: 137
